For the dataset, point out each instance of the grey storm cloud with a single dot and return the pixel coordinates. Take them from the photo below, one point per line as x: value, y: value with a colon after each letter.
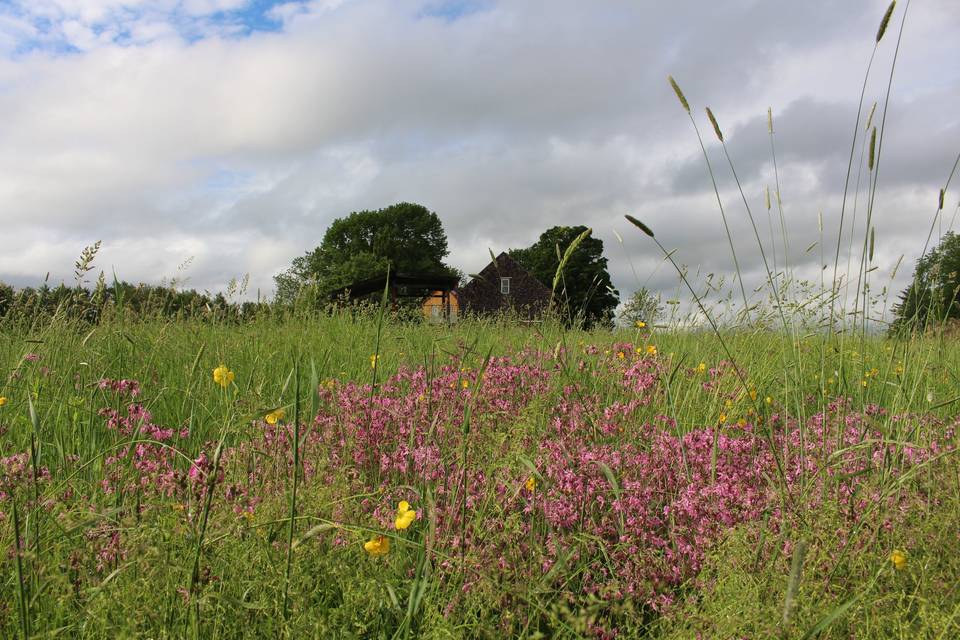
x: 237, y: 152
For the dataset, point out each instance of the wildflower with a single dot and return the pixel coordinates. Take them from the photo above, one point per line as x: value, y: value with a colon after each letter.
x: 641, y: 324
x: 768, y: 400
x: 651, y: 350
x: 899, y: 559
x: 701, y: 367
x: 723, y: 417
x: 621, y: 355
x: 899, y: 369
x: 464, y: 383
x: 3, y: 400
x: 405, y: 515
x: 378, y: 546
x: 275, y: 416
x: 223, y: 376
x: 374, y: 358
x: 530, y: 484
x: 753, y: 394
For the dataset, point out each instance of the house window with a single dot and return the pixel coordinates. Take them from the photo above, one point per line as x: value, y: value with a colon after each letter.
x: 505, y: 286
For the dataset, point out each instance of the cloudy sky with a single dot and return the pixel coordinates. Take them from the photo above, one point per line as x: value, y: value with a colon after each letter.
x: 208, y: 139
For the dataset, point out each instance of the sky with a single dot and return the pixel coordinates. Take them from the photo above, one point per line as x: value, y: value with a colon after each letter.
x: 203, y: 140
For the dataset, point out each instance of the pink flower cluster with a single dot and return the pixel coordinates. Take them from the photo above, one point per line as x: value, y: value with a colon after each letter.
x: 525, y: 474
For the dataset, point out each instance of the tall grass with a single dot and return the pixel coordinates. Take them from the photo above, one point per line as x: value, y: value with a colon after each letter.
x: 814, y: 490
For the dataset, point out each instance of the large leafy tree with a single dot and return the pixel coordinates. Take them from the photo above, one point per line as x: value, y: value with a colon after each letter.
x: 584, y: 291
x: 934, y: 292
x: 404, y: 237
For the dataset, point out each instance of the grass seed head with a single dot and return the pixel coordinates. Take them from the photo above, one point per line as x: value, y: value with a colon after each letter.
x: 870, y: 117
x: 886, y: 20
x: 676, y: 89
x: 716, y: 127
x: 873, y: 147
x: 639, y: 225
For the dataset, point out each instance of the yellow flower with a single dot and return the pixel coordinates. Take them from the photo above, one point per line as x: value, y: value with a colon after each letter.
x: 621, y: 355
x: 530, y: 484
x: 405, y: 515
x: 373, y: 360
x: 223, y: 376
x: 753, y: 394
x: 651, y: 350
x: 641, y: 324
x: 723, y: 417
x: 899, y: 369
x: 378, y: 546
x: 464, y: 383
x: 768, y: 400
x: 899, y: 559
x: 3, y: 400
x: 275, y: 416
x: 701, y: 367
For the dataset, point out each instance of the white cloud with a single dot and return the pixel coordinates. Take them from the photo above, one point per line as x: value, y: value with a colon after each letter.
x: 239, y: 151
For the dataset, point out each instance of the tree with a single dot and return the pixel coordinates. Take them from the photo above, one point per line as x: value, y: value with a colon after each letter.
x: 642, y: 306
x: 404, y: 237
x: 584, y: 292
x: 934, y: 293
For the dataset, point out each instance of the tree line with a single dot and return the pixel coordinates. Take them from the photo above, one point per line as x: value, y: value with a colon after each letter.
x: 409, y: 238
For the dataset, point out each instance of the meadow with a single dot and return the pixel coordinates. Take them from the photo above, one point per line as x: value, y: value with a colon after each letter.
x: 349, y: 475
x: 780, y: 468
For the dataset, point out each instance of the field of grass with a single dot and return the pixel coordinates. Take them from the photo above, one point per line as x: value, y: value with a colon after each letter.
x: 635, y: 483
x: 784, y: 473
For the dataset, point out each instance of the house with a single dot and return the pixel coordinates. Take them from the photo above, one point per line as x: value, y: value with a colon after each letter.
x: 435, y: 306
x: 504, y: 286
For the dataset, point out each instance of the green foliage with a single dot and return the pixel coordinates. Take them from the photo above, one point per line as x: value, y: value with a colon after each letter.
x: 106, y: 301
x: 584, y: 293
x: 643, y: 306
x: 404, y: 237
x: 336, y: 590
x: 934, y: 292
